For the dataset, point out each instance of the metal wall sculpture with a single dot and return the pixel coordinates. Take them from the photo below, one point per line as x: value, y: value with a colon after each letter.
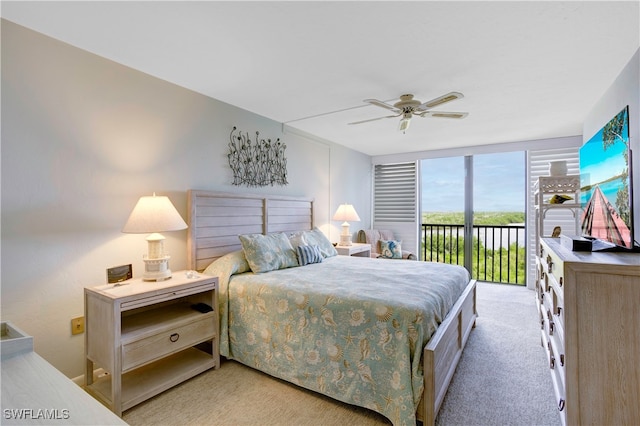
x: 258, y: 163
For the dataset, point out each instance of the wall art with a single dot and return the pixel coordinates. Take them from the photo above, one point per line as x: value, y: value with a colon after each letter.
x: 256, y: 163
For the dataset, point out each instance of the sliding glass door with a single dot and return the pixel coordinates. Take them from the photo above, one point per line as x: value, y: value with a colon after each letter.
x: 473, y: 214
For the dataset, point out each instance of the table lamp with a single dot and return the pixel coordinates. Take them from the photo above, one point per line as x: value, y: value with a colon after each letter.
x: 154, y: 214
x: 346, y: 213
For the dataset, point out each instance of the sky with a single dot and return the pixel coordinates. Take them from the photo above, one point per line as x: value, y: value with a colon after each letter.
x: 499, y: 183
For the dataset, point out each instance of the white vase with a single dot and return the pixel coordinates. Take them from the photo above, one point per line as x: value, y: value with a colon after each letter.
x: 558, y: 168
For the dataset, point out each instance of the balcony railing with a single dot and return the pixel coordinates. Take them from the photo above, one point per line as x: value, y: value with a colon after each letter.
x: 498, y: 250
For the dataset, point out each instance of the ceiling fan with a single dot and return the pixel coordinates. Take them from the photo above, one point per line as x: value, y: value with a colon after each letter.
x: 407, y: 107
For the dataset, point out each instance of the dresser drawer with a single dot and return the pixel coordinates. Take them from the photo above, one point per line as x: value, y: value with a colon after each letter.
x: 552, y: 265
x: 168, y: 341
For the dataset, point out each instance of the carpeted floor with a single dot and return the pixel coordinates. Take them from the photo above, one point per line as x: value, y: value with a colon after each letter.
x: 502, y: 379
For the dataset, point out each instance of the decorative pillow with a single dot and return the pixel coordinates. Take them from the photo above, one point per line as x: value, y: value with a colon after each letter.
x: 309, y: 254
x: 233, y: 262
x: 266, y: 253
x: 391, y: 249
x: 297, y: 240
x: 316, y: 237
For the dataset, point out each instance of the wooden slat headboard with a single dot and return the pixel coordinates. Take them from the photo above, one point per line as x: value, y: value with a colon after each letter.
x: 217, y: 218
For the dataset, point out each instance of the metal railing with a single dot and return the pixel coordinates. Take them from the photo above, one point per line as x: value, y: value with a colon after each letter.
x: 498, y: 251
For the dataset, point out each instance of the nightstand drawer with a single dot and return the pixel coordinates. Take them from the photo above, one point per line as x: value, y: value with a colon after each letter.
x: 168, y: 341
x: 167, y: 295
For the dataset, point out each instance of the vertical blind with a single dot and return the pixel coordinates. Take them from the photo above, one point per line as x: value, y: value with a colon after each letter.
x: 395, y: 192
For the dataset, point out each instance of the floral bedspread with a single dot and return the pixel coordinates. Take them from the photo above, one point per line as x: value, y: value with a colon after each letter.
x: 351, y: 328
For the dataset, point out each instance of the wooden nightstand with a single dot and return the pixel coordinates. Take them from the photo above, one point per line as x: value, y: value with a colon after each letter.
x: 355, y: 249
x: 148, y: 337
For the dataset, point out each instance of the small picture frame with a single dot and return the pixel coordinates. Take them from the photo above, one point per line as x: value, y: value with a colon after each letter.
x: 118, y: 274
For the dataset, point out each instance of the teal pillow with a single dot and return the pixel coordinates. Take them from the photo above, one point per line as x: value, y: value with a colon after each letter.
x: 308, y: 255
x: 391, y: 249
x: 317, y: 238
x: 266, y: 253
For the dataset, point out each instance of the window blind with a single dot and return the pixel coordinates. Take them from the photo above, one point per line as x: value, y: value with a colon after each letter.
x: 395, y: 192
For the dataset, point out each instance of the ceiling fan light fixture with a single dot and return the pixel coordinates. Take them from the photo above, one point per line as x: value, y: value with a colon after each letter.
x: 404, y: 124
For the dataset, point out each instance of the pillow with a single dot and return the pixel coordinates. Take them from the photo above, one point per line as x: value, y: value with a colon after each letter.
x: 391, y: 249
x: 297, y: 240
x: 233, y: 263
x: 308, y: 255
x: 316, y: 237
x: 266, y: 253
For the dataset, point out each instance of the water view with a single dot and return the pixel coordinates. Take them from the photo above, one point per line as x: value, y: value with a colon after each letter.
x: 498, y: 246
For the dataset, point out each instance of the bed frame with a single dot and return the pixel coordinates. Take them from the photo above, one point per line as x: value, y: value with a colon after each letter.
x: 217, y: 218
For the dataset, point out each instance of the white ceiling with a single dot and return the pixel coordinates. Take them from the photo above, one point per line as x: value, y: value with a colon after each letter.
x: 528, y: 70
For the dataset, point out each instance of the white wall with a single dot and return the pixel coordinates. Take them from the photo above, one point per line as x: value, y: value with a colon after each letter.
x: 82, y: 139
x: 625, y: 90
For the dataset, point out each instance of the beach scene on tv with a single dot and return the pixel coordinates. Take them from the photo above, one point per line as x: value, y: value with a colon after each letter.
x: 605, y: 183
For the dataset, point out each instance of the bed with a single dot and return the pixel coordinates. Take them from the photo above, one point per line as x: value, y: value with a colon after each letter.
x: 386, y: 336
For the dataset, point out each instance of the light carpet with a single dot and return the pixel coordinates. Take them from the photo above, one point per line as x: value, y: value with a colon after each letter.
x: 502, y: 379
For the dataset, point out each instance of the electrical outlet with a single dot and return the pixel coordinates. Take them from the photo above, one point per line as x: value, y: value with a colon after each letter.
x: 77, y: 325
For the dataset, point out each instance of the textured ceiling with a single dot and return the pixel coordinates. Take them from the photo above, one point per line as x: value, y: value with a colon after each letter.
x: 528, y: 69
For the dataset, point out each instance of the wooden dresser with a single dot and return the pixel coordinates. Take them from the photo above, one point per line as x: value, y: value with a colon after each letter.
x: 589, y: 307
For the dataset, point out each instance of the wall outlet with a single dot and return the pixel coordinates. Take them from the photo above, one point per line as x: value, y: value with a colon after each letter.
x: 77, y: 325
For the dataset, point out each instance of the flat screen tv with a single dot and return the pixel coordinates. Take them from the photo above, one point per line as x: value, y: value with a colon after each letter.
x: 605, y: 186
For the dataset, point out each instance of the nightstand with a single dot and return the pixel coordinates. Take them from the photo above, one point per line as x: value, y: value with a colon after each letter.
x: 147, y: 336
x: 355, y: 249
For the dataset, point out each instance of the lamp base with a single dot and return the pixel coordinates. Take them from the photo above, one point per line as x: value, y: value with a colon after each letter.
x: 345, y: 240
x: 156, y: 269
x: 345, y: 237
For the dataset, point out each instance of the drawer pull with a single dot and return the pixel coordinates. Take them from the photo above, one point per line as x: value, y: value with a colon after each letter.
x: 558, y: 310
x: 561, y: 405
x: 562, y: 360
x: 552, y: 362
x: 549, y: 263
x: 174, y: 337
x: 550, y: 328
x: 560, y: 281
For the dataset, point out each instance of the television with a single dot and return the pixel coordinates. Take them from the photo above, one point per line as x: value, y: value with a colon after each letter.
x: 606, y: 195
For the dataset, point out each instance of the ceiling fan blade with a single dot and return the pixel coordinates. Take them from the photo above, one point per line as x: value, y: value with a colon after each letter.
x: 452, y: 96
x: 443, y: 114
x: 375, y: 119
x: 382, y: 104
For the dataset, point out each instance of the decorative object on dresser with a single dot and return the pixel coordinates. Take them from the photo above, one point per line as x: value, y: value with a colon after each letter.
x: 558, y: 168
x: 548, y: 187
x: 149, y: 338
x: 154, y: 214
x: 345, y: 214
x: 258, y: 163
x: 588, y: 306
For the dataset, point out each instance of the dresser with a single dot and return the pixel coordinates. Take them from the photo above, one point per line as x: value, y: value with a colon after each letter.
x: 35, y: 393
x: 149, y: 336
x: 589, y: 305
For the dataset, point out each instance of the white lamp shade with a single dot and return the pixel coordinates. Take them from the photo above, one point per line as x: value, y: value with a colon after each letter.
x: 154, y: 214
x: 346, y: 213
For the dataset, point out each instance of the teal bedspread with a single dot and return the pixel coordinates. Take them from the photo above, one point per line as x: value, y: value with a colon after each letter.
x: 351, y: 328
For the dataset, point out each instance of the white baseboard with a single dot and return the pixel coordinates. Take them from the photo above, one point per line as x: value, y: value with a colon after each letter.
x: 98, y: 372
